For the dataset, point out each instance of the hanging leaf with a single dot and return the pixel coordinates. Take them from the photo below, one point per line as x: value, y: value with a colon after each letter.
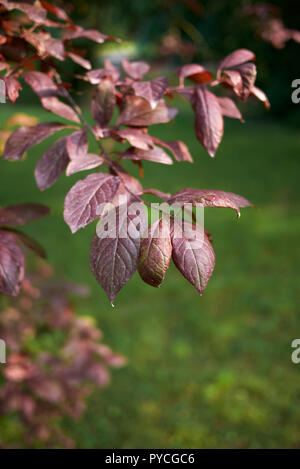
x: 41, y: 84
x: 261, y: 96
x: 12, y: 88
x: 114, y: 259
x: 138, y: 112
x: 96, y: 76
x: 103, y: 102
x: 137, y: 138
x: 192, y: 254
x: 34, y: 11
x: 155, y: 253
x: 210, y: 198
x: 84, y: 162
x: 11, y: 264
x: 59, y: 12
x: 194, y: 72
x: 79, y: 60
x: 53, y: 162
x: 177, y: 147
x: 47, y: 91
x: 208, y: 119
x: 85, y: 197
x: 237, y: 57
x: 77, y: 144
x: 45, y: 44
x: 229, y: 109
x: 21, y: 214
x: 156, y: 154
x: 26, y: 137
x: 135, y: 69
x: 241, y: 79
x: 152, y: 91
x: 92, y: 34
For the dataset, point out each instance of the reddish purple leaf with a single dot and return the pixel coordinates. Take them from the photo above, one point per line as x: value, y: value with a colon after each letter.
x: 237, y: 57
x: 241, y: 79
x: 103, y: 102
x: 45, y: 44
x: 114, y: 259
x: 12, y: 88
x: 193, y: 255
x: 77, y: 144
x: 11, y: 264
x: 41, y: 84
x: 155, y: 253
x: 79, y: 60
x: 135, y: 69
x: 138, y: 112
x: 156, y: 155
x: 177, y: 147
x: 34, y: 11
x: 18, y: 215
x: 229, y: 109
x: 208, y: 119
x: 259, y: 94
x: 47, y: 91
x: 83, y: 200
x: 96, y: 76
x: 114, y: 71
x: 210, y: 198
x: 152, y: 91
x: 186, y: 92
x: 194, y: 72
x: 91, y: 34
x: 53, y: 162
x: 25, y: 137
x: 136, y: 138
x: 61, y: 109
x: 59, y: 12
x: 232, y: 79
x: 84, y: 162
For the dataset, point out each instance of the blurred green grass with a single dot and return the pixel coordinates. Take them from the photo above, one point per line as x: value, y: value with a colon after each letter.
x: 203, y: 372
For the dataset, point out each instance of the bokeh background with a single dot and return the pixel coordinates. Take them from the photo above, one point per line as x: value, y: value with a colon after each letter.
x: 212, y: 371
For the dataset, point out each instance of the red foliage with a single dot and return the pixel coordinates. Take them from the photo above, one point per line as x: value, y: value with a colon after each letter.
x: 140, y: 104
x: 44, y: 386
x: 269, y: 25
